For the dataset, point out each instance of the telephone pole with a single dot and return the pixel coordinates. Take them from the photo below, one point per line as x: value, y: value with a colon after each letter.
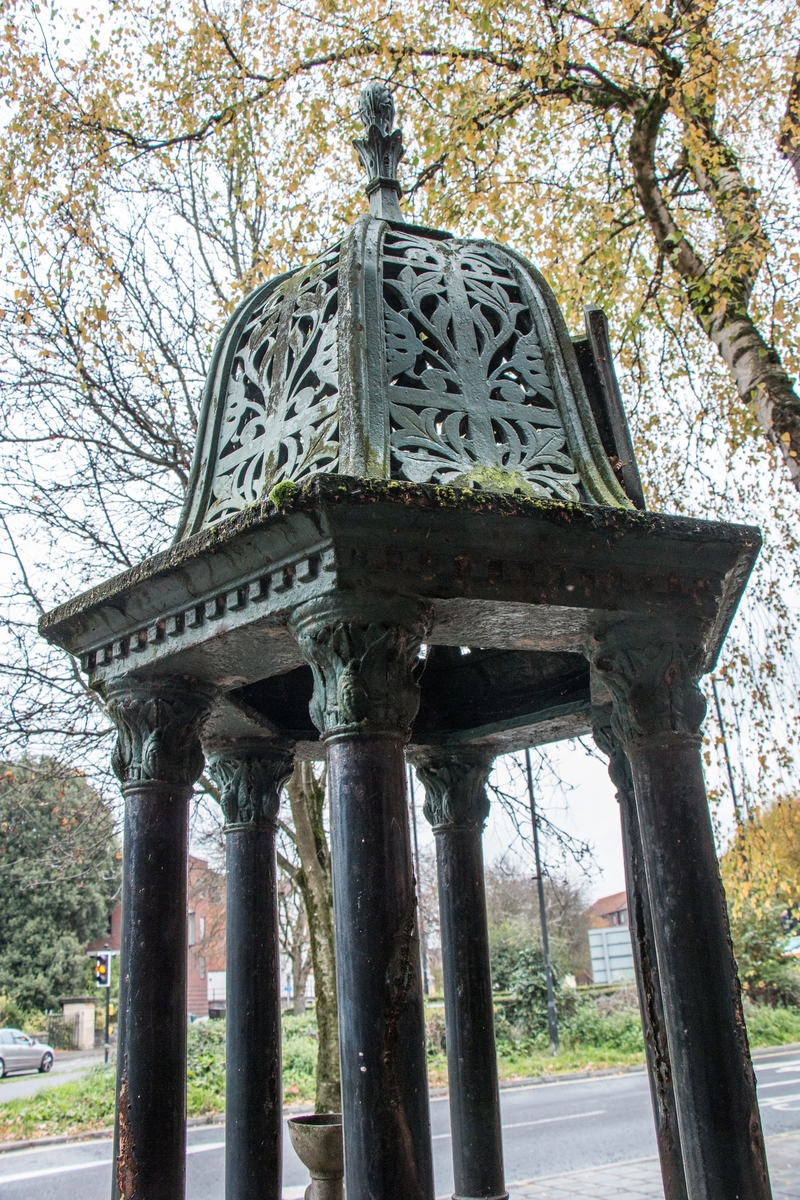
x: 552, y: 1020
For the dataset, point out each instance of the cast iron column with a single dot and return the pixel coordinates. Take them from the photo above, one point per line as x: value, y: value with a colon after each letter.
x: 157, y: 759
x: 363, y: 653
x: 640, y: 919
x: 457, y: 806
x: 250, y: 776
x: 657, y: 713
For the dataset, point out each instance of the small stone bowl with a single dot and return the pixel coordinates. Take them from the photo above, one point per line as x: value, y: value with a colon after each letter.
x: 318, y: 1143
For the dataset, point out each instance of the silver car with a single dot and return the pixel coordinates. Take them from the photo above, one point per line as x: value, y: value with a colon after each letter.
x: 18, y: 1052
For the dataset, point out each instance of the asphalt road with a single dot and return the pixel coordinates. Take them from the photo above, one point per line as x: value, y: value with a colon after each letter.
x: 547, y: 1128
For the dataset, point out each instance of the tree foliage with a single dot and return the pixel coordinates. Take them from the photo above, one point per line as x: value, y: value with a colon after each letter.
x: 159, y: 159
x: 761, y: 874
x: 513, y: 911
x: 59, y: 880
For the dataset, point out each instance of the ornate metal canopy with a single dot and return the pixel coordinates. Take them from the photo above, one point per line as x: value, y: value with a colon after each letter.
x: 406, y: 353
x: 414, y: 504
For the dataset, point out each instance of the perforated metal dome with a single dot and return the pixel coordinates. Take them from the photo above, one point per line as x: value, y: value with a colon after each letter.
x: 403, y: 353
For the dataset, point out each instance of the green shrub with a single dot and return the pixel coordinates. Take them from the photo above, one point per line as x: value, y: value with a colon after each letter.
x: 518, y: 968
x: 768, y: 1026
x: 11, y: 1013
x: 205, y: 1067
x: 590, y: 1027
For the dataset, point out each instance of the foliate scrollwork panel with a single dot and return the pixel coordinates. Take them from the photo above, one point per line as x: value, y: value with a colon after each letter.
x: 469, y: 388
x: 250, y: 783
x: 653, y: 682
x: 455, y: 786
x: 280, y: 418
x: 158, y: 732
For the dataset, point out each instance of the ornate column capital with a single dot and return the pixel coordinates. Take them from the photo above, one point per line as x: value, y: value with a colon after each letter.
x: 652, y: 676
x: 455, y: 785
x: 158, y: 723
x: 250, y: 775
x: 619, y: 769
x: 363, y: 653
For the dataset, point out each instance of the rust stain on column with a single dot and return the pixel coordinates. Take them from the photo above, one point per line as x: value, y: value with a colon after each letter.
x: 127, y: 1169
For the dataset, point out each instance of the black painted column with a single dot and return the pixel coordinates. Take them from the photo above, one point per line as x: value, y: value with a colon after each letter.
x: 657, y: 712
x: 364, y: 655
x: 250, y: 776
x: 648, y: 984
x: 157, y: 759
x: 457, y: 806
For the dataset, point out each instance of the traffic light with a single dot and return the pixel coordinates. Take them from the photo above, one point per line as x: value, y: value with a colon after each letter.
x: 102, y: 970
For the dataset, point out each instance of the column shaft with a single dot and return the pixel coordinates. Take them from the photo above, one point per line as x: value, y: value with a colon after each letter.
x: 651, y: 1003
x: 157, y: 757
x: 471, y: 1055
x: 250, y: 774
x: 648, y: 984
x: 720, y: 1128
x: 253, y: 1104
x: 658, y: 709
x: 379, y: 981
x: 151, y: 1163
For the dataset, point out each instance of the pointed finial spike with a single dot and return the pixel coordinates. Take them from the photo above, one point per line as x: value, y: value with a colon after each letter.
x: 380, y: 151
x: 376, y: 107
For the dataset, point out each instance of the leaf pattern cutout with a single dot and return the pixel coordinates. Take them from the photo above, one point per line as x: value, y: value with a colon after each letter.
x: 280, y: 413
x: 468, y: 383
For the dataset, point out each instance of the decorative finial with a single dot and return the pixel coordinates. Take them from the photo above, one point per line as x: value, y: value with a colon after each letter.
x: 380, y: 151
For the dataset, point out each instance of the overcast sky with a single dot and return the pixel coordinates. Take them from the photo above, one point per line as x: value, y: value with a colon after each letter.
x: 583, y: 806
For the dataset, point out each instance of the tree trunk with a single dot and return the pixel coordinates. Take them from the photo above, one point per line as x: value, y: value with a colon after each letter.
x: 307, y: 799
x: 301, y: 962
x: 719, y: 297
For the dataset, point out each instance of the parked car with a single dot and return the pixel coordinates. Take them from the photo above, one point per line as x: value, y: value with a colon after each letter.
x: 18, y: 1052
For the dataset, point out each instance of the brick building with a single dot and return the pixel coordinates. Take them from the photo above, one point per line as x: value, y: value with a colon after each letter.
x: 206, y: 922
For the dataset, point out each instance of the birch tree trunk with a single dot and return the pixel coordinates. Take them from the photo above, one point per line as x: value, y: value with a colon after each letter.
x: 307, y: 799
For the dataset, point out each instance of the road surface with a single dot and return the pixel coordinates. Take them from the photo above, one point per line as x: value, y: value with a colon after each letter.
x: 548, y: 1128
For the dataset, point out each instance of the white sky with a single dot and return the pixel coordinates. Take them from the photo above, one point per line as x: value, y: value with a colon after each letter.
x: 585, y: 807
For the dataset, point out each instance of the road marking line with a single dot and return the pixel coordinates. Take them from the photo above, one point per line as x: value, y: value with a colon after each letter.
x: 780, y: 1083
x: 779, y: 1101
x: 548, y: 1120
x: 554, y: 1082
x: 439, y: 1137
x: 101, y: 1162
x: 22, y: 1175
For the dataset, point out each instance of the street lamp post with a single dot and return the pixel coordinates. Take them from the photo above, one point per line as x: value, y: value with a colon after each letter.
x: 552, y: 1019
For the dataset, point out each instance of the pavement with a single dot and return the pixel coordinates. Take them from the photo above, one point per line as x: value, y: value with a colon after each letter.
x: 640, y: 1178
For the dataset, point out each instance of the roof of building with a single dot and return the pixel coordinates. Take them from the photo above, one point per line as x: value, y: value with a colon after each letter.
x: 609, y: 904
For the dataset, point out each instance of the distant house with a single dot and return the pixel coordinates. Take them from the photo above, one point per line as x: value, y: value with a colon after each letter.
x: 610, y: 939
x: 206, y: 948
x: 609, y: 910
